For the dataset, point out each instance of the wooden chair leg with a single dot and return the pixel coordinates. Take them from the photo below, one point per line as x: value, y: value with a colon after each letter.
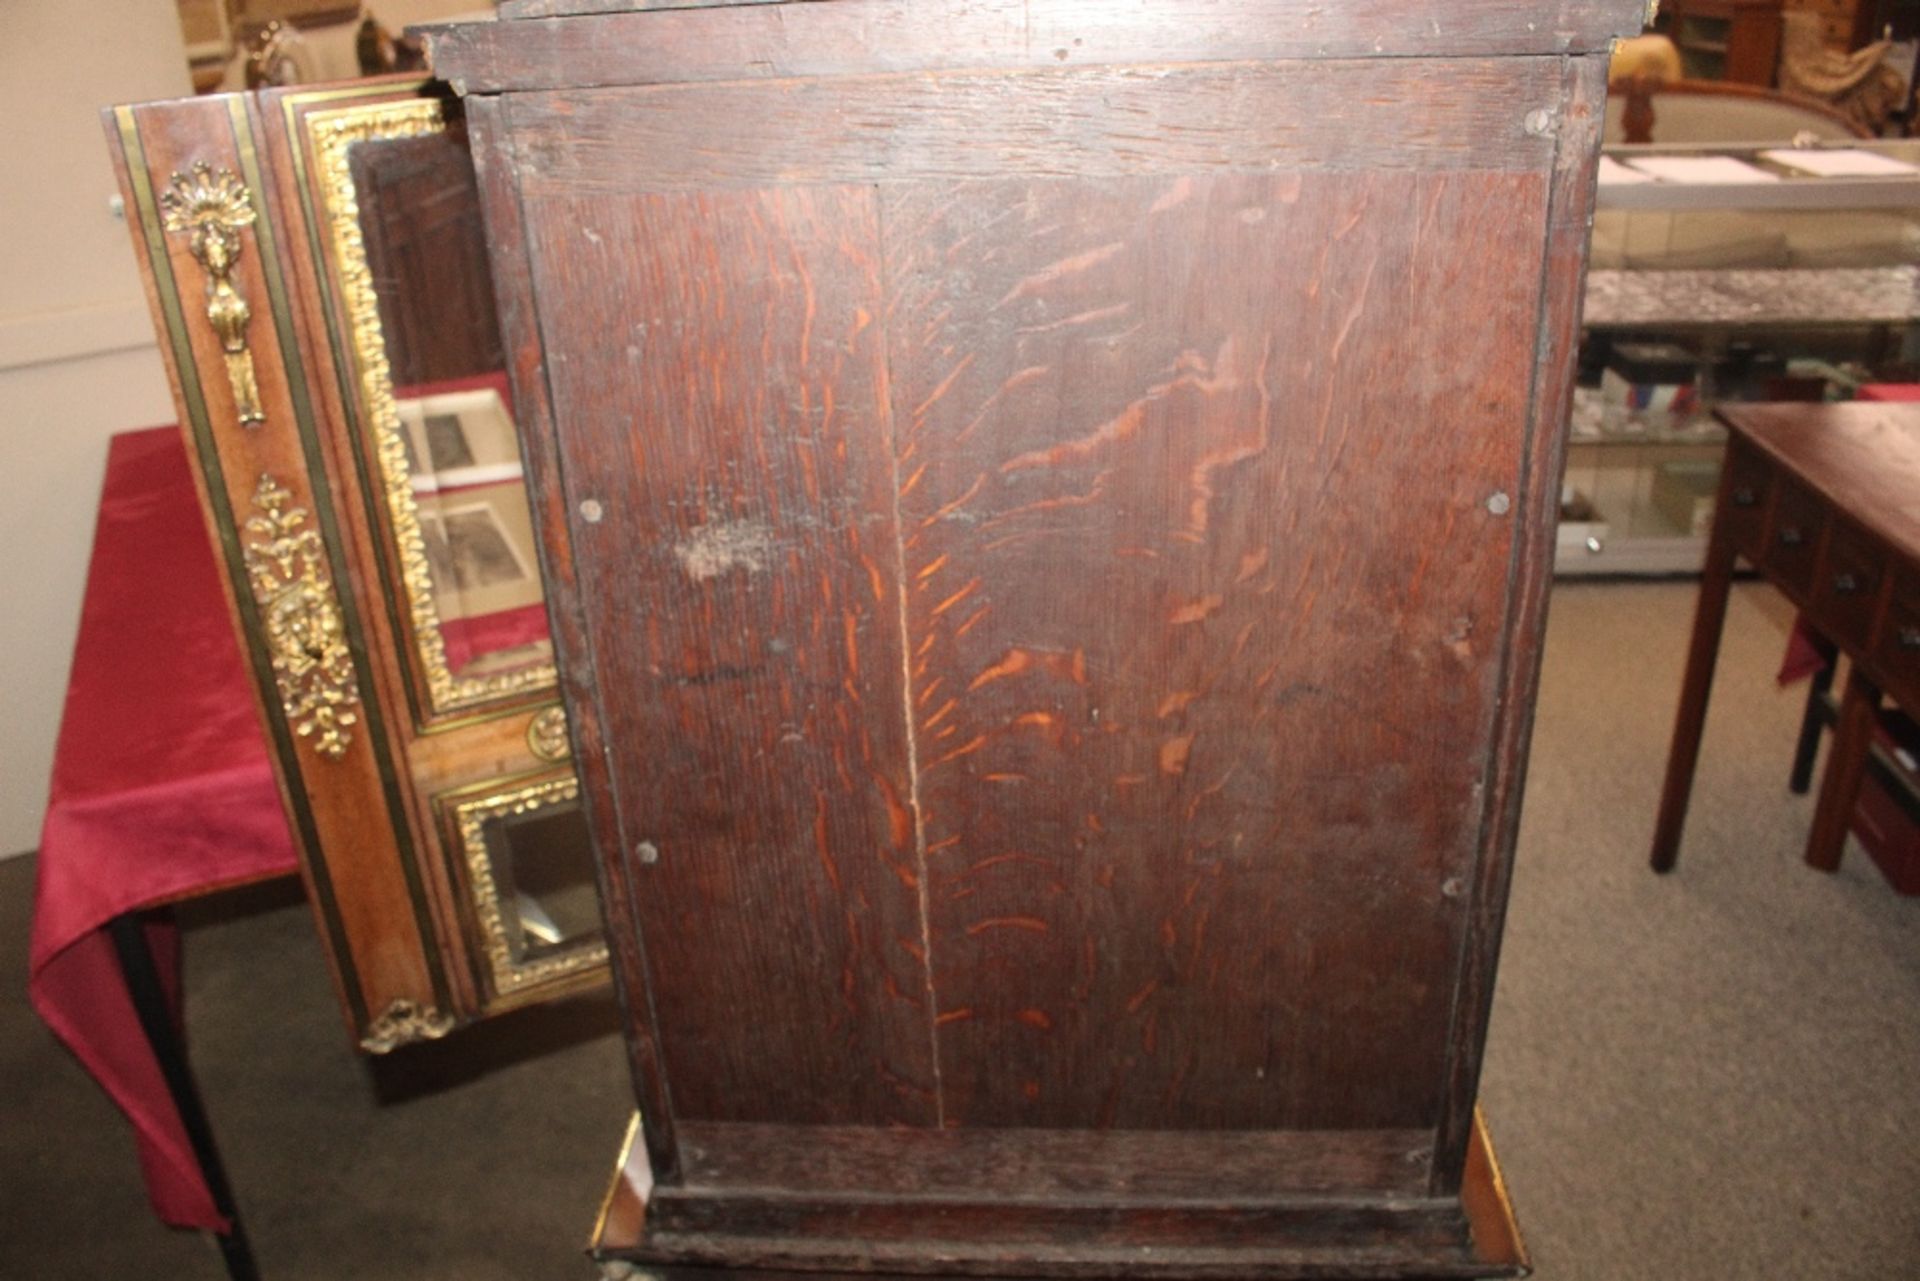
x: 1846, y: 769
x: 1811, y: 722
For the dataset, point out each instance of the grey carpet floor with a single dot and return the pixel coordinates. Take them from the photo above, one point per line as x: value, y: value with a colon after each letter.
x: 1711, y: 1075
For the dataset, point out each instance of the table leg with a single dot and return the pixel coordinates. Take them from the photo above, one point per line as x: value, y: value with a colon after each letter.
x: 157, y: 1021
x: 1846, y: 768
x: 1710, y: 614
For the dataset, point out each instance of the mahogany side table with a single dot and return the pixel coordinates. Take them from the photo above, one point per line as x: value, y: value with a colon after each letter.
x: 1824, y: 500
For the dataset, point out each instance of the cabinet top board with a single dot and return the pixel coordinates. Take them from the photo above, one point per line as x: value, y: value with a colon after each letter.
x: 573, y: 44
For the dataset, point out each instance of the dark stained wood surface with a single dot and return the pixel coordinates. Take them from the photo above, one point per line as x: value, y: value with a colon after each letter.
x: 1537, y: 504
x: 1862, y: 457
x: 864, y: 37
x: 1084, y: 1166
x: 427, y: 252
x: 744, y: 576
x: 1091, y: 123
x: 539, y: 450
x: 1055, y: 562
x: 1200, y: 709
x: 1491, y: 1245
x: 1824, y: 500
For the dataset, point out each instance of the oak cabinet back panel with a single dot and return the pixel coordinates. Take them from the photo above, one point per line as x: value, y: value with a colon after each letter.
x: 1047, y: 626
x: 1049, y: 554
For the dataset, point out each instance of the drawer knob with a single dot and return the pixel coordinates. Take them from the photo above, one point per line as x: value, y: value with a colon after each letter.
x: 1791, y: 536
x: 1744, y: 496
x: 1910, y: 638
x: 1845, y: 584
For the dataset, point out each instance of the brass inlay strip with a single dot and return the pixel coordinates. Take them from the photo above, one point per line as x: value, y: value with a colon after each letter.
x: 279, y: 303
x: 200, y: 430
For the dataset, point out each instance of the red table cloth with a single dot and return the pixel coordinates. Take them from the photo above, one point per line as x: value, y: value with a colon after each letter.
x: 161, y: 790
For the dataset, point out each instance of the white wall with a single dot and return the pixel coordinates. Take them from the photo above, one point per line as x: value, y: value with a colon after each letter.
x: 78, y: 359
x: 78, y: 356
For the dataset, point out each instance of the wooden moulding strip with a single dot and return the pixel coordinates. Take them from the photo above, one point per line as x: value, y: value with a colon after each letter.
x: 1032, y: 1224
x: 854, y: 37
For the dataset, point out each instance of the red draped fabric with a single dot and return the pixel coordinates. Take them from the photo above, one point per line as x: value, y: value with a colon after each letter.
x: 161, y: 789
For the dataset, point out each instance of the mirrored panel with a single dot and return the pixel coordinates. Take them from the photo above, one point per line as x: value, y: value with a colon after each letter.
x: 528, y: 862
x: 400, y: 210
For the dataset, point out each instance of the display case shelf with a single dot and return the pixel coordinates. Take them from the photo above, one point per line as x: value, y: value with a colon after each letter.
x: 1772, y: 298
x: 1782, y: 285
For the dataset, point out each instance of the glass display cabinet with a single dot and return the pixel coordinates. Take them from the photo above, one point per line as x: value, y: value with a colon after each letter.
x: 317, y: 269
x: 1781, y: 284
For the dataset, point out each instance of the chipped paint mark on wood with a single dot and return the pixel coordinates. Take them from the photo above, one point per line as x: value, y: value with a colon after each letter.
x: 721, y: 547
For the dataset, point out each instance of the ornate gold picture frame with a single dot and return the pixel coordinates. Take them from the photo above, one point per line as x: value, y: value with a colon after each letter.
x: 333, y: 134
x: 468, y: 812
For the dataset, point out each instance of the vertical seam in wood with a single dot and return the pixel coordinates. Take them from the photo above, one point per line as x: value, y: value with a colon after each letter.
x: 906, y: 670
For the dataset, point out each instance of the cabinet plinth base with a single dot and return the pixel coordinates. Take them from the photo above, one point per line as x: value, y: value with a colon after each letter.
x: 1109, y: 1224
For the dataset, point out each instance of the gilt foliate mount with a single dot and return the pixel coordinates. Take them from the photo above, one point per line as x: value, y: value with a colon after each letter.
x: 300, y: 618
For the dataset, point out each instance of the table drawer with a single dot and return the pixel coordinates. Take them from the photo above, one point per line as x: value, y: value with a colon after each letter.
x: 1896, y: 653
x: 1792, y: 545
x: 1846, y: 590
x: 1749, y: 485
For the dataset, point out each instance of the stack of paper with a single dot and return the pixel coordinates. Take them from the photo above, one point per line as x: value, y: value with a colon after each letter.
x: 1615, y: 174
x: 1702, y: 170
x: 1841, y: 162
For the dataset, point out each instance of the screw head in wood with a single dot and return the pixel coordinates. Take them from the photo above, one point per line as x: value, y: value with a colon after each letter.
x: 647, y: 852
x: 1499, y: 504
x: 591, y: 511
x: 1539, y: 122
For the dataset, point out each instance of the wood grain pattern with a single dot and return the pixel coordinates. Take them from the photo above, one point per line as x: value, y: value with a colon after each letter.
x: 744, y: 604
x: 566, y: 612
x: 1202, y: 711
x: 1091, y: 761
x: 1080, y: 123
x: 420, y: 214
x: 864, y: 37
x: 1188, y: 428
x: 1084, y: 1166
